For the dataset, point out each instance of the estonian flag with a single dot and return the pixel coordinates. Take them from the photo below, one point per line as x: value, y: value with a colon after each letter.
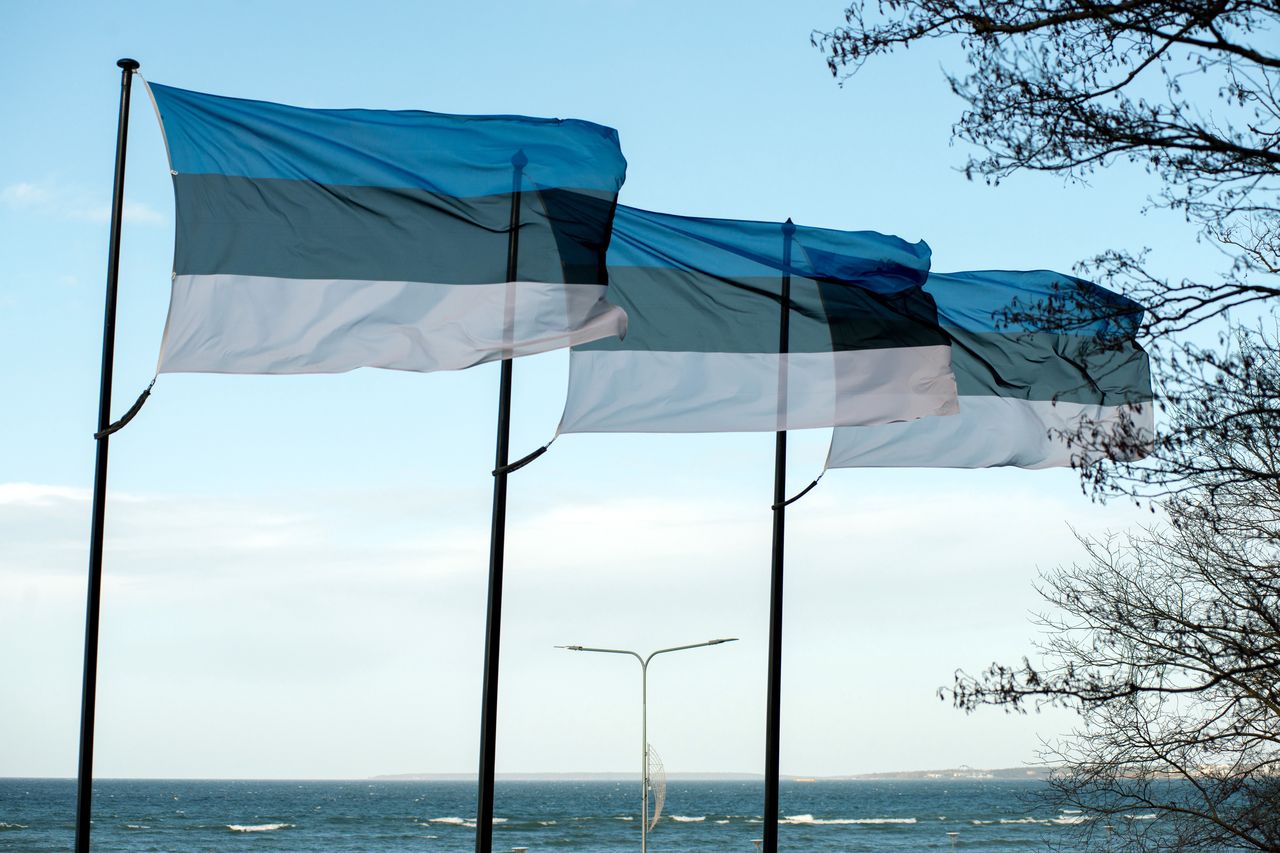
x: 1049, y: 374
x: 318, y: 241
x: 702, y: 352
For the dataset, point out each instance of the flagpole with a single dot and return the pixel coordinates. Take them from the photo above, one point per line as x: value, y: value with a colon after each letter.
x: 88, y: 697
x: 773, y: 721
x: 497, y: 544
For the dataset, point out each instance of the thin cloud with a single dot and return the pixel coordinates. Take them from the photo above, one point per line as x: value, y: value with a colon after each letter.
x: 40, y: 495
x: 134, y: 212
x: 50, y: 199
x: 24, y: 194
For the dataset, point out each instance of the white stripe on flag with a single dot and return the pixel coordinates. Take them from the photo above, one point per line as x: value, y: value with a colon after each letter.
x: 989, y: 432
x: 253, y: 324
x: 647, y: 391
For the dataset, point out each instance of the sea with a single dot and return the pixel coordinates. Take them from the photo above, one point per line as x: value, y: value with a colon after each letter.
x: 154, y: 816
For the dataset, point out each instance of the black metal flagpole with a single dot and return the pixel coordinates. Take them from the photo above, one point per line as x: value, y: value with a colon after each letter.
x: 773, y: 720
x: 497, y: 544
x: 84, y: 778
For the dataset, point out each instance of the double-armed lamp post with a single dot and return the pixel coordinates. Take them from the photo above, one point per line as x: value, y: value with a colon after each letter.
x: 644, y: 717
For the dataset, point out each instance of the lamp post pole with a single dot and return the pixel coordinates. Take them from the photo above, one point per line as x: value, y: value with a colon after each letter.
x: 644, y: 718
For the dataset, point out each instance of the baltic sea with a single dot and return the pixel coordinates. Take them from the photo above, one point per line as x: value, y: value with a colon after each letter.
x: 151, y: 816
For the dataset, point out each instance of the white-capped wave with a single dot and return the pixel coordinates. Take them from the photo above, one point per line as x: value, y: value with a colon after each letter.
x: 460, y: 821
x: 260, y: 827
x: 1152, y: 816
x: 4, y: 825
x: 679, y: 818
x: 1070, y: 819
x: 136, y: 826
x: 809, y: 819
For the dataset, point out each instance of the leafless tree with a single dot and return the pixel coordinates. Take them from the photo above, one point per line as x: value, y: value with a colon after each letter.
x: 1167, y: 642
x: 1190, y: 89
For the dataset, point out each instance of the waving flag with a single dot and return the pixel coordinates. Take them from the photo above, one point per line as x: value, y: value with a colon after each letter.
x: 704, y: 305
x: 321, y: 240
x: 1048, y: 371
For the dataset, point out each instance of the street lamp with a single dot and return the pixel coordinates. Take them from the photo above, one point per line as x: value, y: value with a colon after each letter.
x: 644, y: 717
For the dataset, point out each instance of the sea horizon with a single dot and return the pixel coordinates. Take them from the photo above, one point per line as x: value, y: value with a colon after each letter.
x: 1032, y: 773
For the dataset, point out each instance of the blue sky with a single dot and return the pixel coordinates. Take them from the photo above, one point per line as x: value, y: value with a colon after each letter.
x: 296, y: 565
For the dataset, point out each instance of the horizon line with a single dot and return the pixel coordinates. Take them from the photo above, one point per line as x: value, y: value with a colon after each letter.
x: 520, y: 775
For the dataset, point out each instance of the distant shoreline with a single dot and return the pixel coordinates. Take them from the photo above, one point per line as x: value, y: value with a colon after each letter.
x: 946, y: 775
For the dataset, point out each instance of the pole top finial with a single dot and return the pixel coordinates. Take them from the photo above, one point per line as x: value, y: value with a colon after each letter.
x: 129, y: 64
x: 520, y: 159
x: 788, y: 227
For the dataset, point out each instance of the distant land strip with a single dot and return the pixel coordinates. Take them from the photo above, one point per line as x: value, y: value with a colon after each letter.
x: 1004, y: 773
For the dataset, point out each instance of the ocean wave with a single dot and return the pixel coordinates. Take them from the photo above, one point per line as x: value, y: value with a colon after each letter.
x: 809, y: 819
x: 1071, y: 819
x: 1151, y: 816
x: 261, y: 827
x: 136, y: 826
x: 4, y: 825
x: 463, y: 821
x: 679, y: 818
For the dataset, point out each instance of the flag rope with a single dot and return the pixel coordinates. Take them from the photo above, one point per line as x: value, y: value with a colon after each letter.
x: 129, y: 415
x: 803, y: 492
x: 523, y: 460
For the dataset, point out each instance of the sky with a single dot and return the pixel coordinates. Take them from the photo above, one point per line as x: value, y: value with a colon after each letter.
x: 295, y: 568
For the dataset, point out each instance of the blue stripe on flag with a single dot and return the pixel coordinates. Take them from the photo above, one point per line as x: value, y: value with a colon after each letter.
x: 735, y: 248
x: 461, y: 156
